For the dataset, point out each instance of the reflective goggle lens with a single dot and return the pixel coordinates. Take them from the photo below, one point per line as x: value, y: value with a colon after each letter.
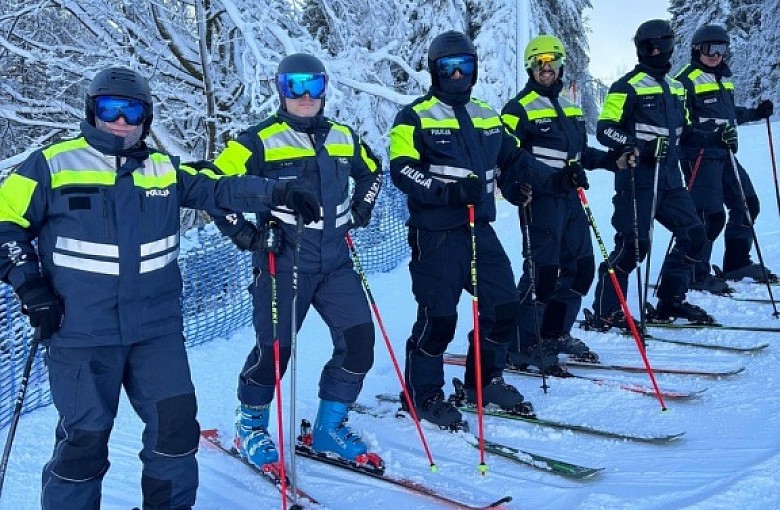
x: 664, y: 44
x: 712, y: 49
x: 110, y: 108
x: 537, y: 62
x: 296, y: 85
x: 446, y: 66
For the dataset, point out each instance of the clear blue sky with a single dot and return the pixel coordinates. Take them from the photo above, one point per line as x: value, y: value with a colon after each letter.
x: 613, y: 24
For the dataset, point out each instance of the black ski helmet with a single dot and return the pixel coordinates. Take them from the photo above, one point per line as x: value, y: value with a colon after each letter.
x: 119, y: 81
x: 448, y: 44
x: 650, y: 31
x: 298, y: 63
x: 710, y: 34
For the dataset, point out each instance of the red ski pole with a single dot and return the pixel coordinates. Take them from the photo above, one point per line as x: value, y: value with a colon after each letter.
x: 389, y: 346
x: 277, y: 376
x: 621, y: 297
x: 476, y: 342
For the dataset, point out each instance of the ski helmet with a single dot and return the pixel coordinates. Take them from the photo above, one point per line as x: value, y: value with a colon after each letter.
x: 655, y: 33
x: 544, y: 44
x: 298, y: 63
x: 711, y: 34
x: 448, y: 44
x: 119, y: 81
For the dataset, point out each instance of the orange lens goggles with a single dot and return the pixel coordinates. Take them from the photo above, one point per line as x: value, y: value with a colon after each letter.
x: 537, y: 62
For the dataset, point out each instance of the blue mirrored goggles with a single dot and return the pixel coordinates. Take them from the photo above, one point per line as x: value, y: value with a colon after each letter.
x: 110, y: 108
x: 296, y: 85
x: 446, y: 66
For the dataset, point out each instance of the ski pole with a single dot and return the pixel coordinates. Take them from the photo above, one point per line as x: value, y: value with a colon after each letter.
x: 293, y: 375
x: 653, y: 207
x: 753, y: 232
x: 476, y: 342
x: 277, y: 367
x: 637, y: 256
x: 389, y: 346
x: 689, y: 187
x: 774, y: 163
x: 20, y: 394
x: 624, y: 305
x: 532, y: 278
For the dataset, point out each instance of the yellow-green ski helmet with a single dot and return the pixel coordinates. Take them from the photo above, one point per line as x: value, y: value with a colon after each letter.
x: 543, y: 44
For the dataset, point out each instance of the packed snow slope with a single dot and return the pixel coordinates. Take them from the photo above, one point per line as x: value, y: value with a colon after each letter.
x: 729, y: 456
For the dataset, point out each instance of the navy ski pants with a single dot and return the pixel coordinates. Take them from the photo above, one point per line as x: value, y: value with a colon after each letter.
x: 339, y: 298
x: 441, y: 270
x: 562, y: 254
x: 85, y: 386
x: 676, y: 212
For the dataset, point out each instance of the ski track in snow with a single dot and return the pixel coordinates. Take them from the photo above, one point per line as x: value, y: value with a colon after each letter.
x: 729, y: 456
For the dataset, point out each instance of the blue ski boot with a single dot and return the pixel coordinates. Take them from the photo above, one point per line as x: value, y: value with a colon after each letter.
x: 332, y: 435
x: 252, y: 439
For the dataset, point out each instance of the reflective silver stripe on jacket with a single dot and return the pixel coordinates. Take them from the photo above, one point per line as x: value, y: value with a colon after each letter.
x: 289, y: 218
x: 160, y: 262
x: 716, y: 120
x: 445, y: 173
x: 550, y: 157
x: 80, y: 253
x: 343, y: 212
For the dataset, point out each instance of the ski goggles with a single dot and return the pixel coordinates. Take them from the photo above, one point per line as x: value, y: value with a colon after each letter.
x: 297, y: 85
x: 446, y: 66
x: 537, y: 62
x: 662, y: 44
x: 110, y: 108
x: 712, y: 49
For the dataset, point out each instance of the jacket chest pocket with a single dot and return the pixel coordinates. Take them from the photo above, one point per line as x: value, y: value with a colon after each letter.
x: 284, y: 170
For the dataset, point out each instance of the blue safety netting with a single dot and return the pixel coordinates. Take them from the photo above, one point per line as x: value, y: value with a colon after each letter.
x: 215, y: 299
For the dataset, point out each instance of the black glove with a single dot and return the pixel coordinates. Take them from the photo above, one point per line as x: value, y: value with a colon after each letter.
x: 727, y: 135
x: 361, y: 215
x: 519, y: 193
x: 656, y: 149
x: 465, y: 191
x: 626, y: 156
x: 251, y: 238
x: 41, y: 305
x: 296, y: 196
x: 569, y: 178
x: 765, y: 109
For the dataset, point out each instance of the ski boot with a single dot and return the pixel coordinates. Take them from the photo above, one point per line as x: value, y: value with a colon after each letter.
x: 331, y: 437
x: 524, y: 361
x: 575, y: 348
x: 440, y: 412
x: 669, y: 310
x: 252, y: 439
x: 599, y: 324
x: 498, y: 393
x: 754, y: 271
x: 712, y: 284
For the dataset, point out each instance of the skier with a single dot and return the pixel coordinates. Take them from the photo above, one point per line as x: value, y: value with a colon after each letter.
x: 710, y: 91
x: 300, y: 145
x: 103, y: 288
x: 447, y: 151
x: 645, y: 110
x: 552, y: 128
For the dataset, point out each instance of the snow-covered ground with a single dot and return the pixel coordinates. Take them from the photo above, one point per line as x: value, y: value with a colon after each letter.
x: 729, y: 456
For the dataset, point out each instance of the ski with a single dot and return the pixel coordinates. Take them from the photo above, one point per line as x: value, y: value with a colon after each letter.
x: 526, y: 458
x: 703, y: 345
x: 746, y: 299
x: 663, y: 370
x: 459, y: 401
x: 270, y: 472
x: 642, y: 389
x: 303, y: 448
x: 716, y: 325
